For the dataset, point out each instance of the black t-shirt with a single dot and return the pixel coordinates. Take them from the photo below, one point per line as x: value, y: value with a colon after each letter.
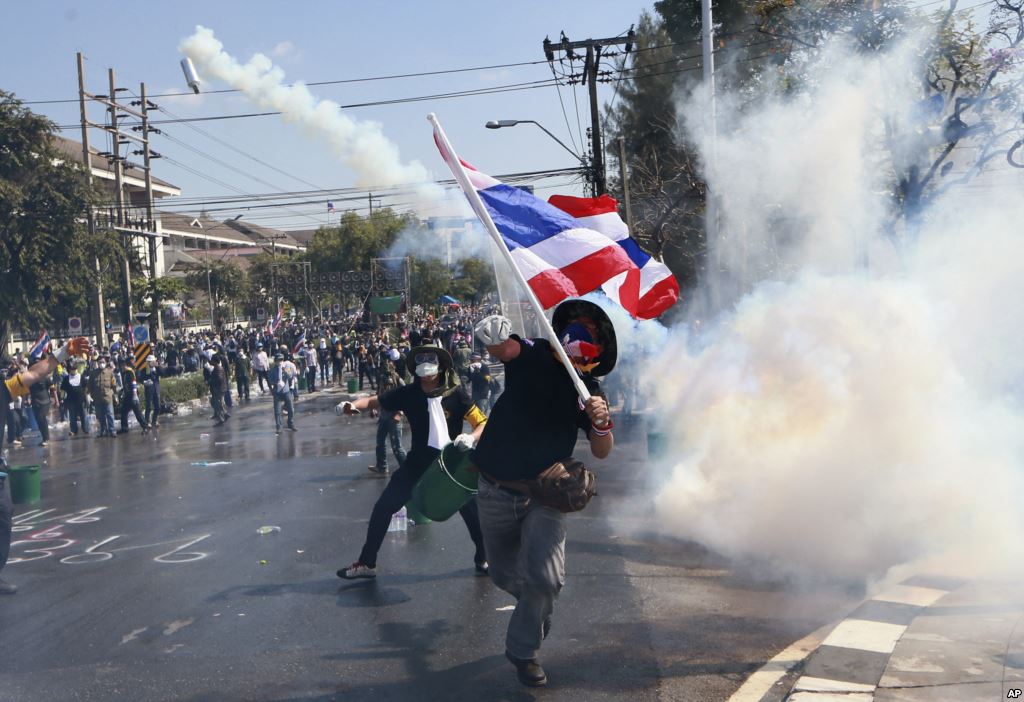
x: 536, y: 420
x: 411, y: 400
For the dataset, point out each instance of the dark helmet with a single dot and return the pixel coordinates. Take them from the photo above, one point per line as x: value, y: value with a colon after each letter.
x: 596, y: 322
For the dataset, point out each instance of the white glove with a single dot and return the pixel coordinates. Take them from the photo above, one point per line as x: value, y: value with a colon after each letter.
x: 493, y: 330
x: 464, y: 442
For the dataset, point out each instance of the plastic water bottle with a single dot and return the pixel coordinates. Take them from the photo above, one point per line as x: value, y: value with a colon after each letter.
x: 399, y: 521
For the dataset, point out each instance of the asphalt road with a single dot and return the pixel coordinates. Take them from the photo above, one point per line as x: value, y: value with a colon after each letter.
x: 143, y: 577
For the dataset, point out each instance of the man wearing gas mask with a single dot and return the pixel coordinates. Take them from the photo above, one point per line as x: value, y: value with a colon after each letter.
x: 533, y: 426
x: 435, y: 405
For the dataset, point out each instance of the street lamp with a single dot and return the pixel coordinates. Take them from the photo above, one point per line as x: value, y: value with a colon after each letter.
x: 498, y: 124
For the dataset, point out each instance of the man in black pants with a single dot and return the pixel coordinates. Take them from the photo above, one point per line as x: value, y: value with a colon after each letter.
x: 130, y: 398
x: 435, y: 407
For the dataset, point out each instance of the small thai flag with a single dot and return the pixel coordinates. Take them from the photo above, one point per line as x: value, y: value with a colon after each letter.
x: 277, y: 320
x: 330, y: 207
x: 41, y: 346
x: 300, y: 343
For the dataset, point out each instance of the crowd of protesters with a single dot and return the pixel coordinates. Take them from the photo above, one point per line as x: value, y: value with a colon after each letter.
x: 99, y: 395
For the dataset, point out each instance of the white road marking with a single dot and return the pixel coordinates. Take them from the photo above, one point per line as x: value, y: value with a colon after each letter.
x: 757, y: 685
x: 809, y: 684
x: 865, y: 635
x: 831, y: 697
x: 507, y: 608
x: 911, y: 595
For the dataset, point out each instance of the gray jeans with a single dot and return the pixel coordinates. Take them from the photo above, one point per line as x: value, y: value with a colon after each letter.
x: 525, y: 545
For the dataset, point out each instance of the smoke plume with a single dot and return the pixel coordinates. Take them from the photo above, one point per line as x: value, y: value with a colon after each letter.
x: 361, y: 144
x: 851, y: 402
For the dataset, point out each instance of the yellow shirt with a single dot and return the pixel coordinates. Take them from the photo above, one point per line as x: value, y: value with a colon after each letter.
x: 16, y: 386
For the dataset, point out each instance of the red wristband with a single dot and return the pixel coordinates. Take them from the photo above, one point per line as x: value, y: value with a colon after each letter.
x: 602, y: 431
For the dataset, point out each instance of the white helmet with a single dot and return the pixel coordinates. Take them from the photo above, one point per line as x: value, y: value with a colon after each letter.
x: 493, y: 330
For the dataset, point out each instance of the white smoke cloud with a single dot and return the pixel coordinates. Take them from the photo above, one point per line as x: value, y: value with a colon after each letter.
x: 361, y: 144
x: 855, y: 409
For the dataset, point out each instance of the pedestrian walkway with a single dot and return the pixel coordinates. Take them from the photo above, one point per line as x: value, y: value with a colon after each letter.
x: 928, y: 638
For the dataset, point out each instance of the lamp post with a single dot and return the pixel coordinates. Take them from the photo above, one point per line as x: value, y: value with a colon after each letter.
x: 501, y: 123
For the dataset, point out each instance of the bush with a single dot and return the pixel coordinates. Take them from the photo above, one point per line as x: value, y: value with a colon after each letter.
x: 183, y: 388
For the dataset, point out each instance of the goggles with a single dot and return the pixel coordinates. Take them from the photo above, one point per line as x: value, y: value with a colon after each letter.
x: 426, y: 358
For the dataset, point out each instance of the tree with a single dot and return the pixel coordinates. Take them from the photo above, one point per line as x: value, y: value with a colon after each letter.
x: 47, y: 256
x: 430, y: 280
x: 968, y: 90
x: 227, y: 283
x: 665, y: 178
x: 474, y: 280
x: 356, y: 240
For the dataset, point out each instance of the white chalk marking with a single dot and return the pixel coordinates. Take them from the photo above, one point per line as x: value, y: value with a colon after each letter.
x: 91, y: 555
x: 865, y: 635
x: 134, y: 634
x: 507, y: 608
x: 177, y: 625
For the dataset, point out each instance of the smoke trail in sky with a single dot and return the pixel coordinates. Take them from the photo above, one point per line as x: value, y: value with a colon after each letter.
x: 361, y: 144
x: 851, y: 407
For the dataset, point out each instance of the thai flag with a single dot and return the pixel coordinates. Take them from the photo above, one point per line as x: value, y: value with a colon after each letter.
x: 558, y: 256
x: 41, y: 346
x: 330, y: 207
x: 277, y: 320
x: 299, y: 343
x: 645, y: 292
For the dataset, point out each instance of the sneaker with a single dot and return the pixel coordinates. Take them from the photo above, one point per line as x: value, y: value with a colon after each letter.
x: 16, y: 442
x: 277, y: 433
x: 292, y: 429
x: 7, y: 588
x: 483, y: 568
x: 529, y: 672
x: 357, y: 570
x: 376, y: 470
x: 44, y: 444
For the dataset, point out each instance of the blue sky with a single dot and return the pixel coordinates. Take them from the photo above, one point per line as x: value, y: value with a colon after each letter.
x: 318, y: 42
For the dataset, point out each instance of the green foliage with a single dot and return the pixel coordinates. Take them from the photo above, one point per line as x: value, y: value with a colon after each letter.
x: 223, y: 279
x: 430, y: 279
x: 356, y: 240
x: 47, y: 256
x: 183, y: 388
x: 474, y: 280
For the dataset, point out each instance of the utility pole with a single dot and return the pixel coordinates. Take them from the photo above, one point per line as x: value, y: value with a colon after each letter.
x: 126, y: 279
x: 625, y: 184
x: 590, y: 77
x: 100, y: 318
x: 711, y: 230
x: 147, y: 154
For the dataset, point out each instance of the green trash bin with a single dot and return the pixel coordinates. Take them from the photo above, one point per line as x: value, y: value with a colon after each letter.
x: 446, y: 485
x: 24, y: 484
x: 302, y: 382
x: 353, y: 385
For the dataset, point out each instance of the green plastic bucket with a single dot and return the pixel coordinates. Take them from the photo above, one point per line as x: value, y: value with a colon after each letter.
x: 446, y: 486
x: 657, y: 444
x: 353, y: 385
x: 24, y: 484
x: 415, y: 515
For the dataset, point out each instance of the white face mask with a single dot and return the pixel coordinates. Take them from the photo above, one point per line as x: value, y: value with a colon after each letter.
x: 103, y: 364
x: 425, y: 370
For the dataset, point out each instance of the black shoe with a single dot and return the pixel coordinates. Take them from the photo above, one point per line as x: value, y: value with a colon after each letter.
x: 7, y: 588
x: 529, y: 672
x: 292, y: 429
x: 483, y: 569
x: 376, y: 470
x: 218, y: 423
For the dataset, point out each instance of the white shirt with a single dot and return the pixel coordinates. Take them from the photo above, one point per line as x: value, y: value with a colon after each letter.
x: 261, y: 361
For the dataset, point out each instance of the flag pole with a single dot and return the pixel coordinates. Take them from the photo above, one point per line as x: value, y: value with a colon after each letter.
x: 481, y: 212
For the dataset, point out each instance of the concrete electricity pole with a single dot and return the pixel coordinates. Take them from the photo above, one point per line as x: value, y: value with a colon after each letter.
x: 711, y: 130
x: 100, y: 319
x: 590, y: 77
x: 147, y: 154
x: 119, y: 218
